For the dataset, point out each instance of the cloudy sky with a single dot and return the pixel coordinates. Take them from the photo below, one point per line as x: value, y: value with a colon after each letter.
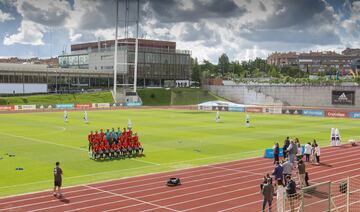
x: 244, y: 29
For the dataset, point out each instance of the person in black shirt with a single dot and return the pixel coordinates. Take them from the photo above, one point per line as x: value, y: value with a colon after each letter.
x: 291, y: 192
x: 286, y: 145
x: 276, y: 151
x: 57, y: 180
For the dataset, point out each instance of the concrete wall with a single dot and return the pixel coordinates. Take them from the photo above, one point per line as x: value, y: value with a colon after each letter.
x: 294, y: 95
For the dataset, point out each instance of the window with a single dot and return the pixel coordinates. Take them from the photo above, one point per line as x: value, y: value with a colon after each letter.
x: 107, y: 57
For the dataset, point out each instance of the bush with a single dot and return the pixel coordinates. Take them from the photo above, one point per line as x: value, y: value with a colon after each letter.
x: 25, y: 100
x: 152, y: 96
x: 3, y: 102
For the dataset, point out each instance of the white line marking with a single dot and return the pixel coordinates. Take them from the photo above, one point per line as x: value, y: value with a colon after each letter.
x: 127, y: 197
x: 236, y: 170
x: 196, y: 186
x: 194, y: 170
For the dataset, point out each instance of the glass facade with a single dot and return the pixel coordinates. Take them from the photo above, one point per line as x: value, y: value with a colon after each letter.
x: 74, y: 61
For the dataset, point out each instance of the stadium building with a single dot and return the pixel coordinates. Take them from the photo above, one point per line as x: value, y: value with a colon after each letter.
x: 90, y: 66
x: 159, y: 62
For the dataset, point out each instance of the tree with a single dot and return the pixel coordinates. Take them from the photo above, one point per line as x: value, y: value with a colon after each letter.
x: 224, y: 63
x: 273, y: 72
x: 195, y: 70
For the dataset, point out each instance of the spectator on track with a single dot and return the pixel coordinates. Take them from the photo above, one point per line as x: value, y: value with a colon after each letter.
x: 307, y: 152
x: 299, y: 154
x: 263, y: 183
x: 286, y: 145
x: 280, y: 194
x: 292, y: 150
x: 287, y: 169
x: 276, y: 151
x: 57, y: 180
x: 317, y: 153
x: 278, y: 172
x: 268, y: 193
x: 301, y: 169
x: 291, y: 192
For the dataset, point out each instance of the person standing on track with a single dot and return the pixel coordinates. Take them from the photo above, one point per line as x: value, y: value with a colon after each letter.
x: 301, y: 169
x: 280, y: 194
x: 292, y: 150
x: 307, y: 152
x: 268, y: 194
x: 317, y: 154
x: 286, y: 145
x: 287, y: 170
x: 291, y: 192
x: 57, y: 180
x: 276, y: 151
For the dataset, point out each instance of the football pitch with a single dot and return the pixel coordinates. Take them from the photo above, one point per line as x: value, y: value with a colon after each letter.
x: 172, y: 139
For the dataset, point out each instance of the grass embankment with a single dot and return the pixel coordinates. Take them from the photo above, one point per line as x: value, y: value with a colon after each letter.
x: 99, y: 97
x: 176, y: 96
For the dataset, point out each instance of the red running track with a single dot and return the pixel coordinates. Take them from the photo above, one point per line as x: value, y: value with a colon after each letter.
x: 231, y: 186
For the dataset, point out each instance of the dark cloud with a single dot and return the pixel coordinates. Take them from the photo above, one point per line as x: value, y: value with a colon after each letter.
x: 290, y: 13
x: 172, y: 11
x: 201, y: 32
x: 262, y: 6
x: 48, y: 17
x: 306, y: 36
x: 295, y: 21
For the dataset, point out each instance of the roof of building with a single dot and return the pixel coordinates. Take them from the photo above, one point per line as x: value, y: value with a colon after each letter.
x: 124, y: 42
x: 35, y: 68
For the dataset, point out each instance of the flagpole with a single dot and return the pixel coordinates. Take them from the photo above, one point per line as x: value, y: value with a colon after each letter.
x: 116, y: 45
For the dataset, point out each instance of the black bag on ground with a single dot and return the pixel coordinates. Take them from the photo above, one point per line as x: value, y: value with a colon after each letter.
x: 174, y: 181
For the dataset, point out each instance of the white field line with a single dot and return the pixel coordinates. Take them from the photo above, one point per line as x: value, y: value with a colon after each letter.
x: 115, y: 171
x: 146, y: 184
x: 157, y: 177
x: 65, y: 146
x: 41, y: 141
x: 184, y: 189
x: 165, y: 164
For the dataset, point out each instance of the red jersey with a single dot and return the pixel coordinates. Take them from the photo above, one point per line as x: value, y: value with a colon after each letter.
x: 102, y: 147
x: 118, y: 146
x: 113, y: 146
x: 91, y: 138
x: 97, y: 138
x: 107, y: 146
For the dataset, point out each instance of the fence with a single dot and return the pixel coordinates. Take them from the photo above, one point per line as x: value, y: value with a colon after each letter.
x: 337, y: 196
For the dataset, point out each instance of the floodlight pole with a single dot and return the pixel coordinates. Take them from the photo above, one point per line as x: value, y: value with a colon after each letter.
x: 116, y: 46
x: 136, y: 47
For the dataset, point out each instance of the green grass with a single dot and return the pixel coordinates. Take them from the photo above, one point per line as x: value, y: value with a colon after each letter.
x: 175, y: 96
x: 173, y: 139
x: 98, y: 97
